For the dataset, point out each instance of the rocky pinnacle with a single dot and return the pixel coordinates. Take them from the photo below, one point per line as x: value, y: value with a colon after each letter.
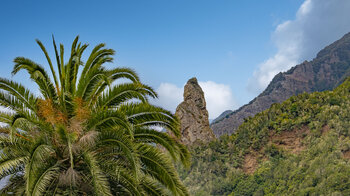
x: 193, y: 115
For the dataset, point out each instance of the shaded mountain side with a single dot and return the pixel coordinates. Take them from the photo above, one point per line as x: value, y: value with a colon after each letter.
x: 223, y: 115
x: 298, y: 147
x: 329, y: 69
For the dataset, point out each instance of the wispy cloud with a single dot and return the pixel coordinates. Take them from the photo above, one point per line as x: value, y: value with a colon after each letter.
x: 317, y: 24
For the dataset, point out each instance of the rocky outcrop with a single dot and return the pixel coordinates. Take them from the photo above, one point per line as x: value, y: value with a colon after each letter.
x: 193, y: 115
x: 325, y: 72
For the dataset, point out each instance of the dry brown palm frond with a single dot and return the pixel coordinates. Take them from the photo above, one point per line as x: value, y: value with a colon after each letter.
x: 88, y: 139
x: 69, y: 177
x: 75, y: 126
x: 85, y: 142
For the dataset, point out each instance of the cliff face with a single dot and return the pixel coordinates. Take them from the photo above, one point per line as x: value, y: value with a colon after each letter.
x: 193, y: 115
x: 325, y: 72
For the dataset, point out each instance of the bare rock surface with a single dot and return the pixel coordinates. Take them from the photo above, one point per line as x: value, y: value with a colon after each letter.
x: 193, y: 115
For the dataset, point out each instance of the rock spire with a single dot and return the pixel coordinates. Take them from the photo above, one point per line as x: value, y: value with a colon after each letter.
x: 193, y: 115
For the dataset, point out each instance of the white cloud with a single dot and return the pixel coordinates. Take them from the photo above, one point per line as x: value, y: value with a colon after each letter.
x: 317, y: 24
x: 218, y: 97
x: 169, y: 96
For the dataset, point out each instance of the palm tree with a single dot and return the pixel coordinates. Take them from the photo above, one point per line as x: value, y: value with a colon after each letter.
x: 86, y: 133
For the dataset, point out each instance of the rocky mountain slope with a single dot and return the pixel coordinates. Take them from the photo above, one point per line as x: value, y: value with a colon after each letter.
x: 298, y: 147
x: 223, y: 115
x: 193, y: 115
x: 325, y: 72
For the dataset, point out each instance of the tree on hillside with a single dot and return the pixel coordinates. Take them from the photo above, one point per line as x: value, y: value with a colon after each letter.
x: 86, y: 133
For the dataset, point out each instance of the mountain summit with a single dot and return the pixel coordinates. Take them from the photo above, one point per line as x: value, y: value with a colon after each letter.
x: 329, y: 69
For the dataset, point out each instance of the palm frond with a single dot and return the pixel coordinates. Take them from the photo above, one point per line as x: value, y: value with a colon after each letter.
x: 91, y: 80
x: 152, y: 187
x: 159, y: 166
x: 11, y: 165
x: 20, y: 95
x: 108, y: 119
x: 6, y: 117
x: 97, y: 57
x: 45, y: 180
x: 143, y: 114
x: 38, y: 75
x: 123, y: 73
x: 99, y: 179
x: 77, y: 63
x: 122, y: 93
x: 49, y: 61
x: 125, y: 148
x: 58, y: 61
x: 15, y: 185
x: 128, y: 181
x: 70, y: 67
x: 63, y: 71
x: 107, y: 80
x: 151, y: 136
x: 39, y: 161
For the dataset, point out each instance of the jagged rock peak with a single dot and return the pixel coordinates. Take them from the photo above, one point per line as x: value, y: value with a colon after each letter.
x: 193, y: 115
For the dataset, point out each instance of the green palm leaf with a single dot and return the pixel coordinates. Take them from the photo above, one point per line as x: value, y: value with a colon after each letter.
x: 87, y: 133
x: 99, y: 179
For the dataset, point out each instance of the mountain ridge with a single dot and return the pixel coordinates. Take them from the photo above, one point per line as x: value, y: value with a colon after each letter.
x: 327, y: 70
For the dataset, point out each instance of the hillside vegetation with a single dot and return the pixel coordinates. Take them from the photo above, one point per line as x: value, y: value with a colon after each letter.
x: 298, y: 147
x: 325, y: 72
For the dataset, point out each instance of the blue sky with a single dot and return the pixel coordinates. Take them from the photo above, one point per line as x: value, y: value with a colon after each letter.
x: 224, y: 43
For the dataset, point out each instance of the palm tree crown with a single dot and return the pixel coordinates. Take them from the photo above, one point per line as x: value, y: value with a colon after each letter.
x: 86, y: 133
